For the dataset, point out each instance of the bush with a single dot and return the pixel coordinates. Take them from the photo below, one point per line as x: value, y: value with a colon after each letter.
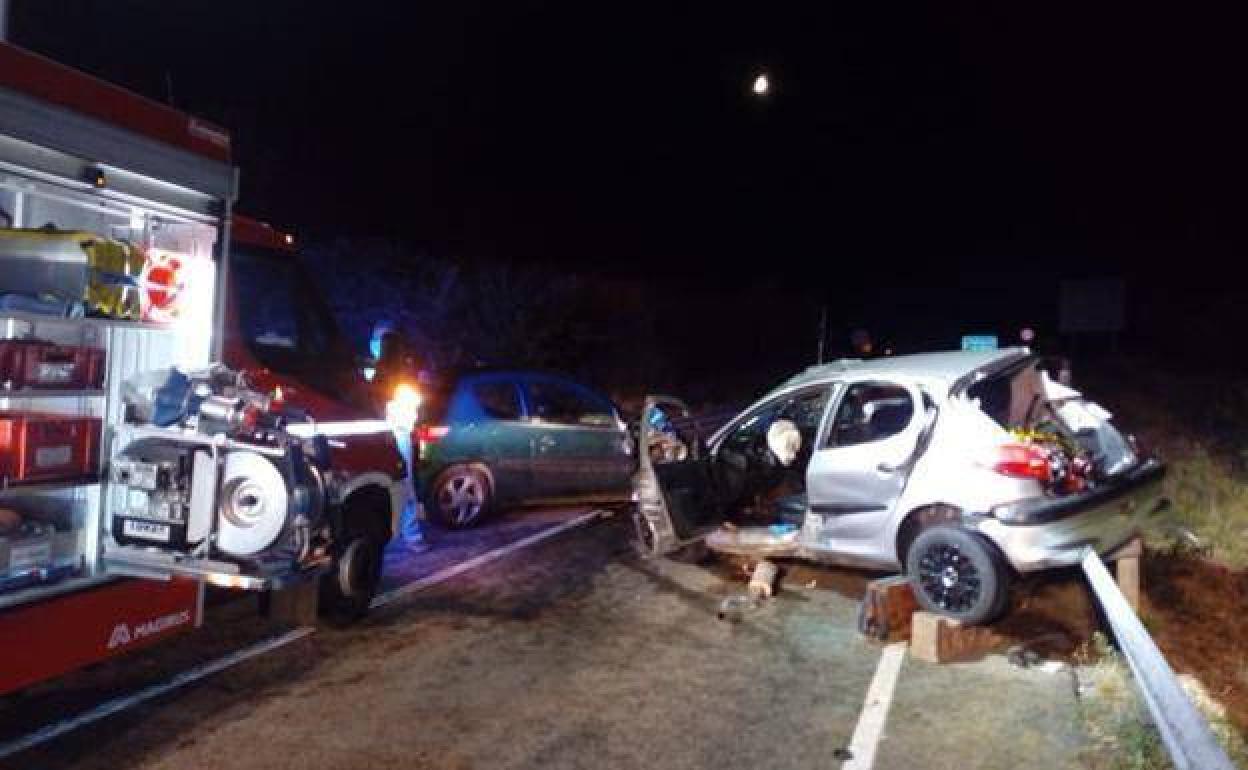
x: 1208, y: 498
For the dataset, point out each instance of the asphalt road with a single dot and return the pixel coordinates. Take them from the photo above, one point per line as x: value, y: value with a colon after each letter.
x: 570, y: 653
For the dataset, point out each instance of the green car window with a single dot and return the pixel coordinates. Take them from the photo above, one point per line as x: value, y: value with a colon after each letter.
x: 562, y: 403
x: 498, y: 400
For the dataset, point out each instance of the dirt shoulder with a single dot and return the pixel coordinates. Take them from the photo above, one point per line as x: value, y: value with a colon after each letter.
x: 1195, y: 611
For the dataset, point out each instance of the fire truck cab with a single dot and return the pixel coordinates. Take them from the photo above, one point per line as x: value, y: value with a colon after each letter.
x: 281, y: 332
x: 119, y: 255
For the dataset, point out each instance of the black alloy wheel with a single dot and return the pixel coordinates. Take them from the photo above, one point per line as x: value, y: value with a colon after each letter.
x: 958, y: 574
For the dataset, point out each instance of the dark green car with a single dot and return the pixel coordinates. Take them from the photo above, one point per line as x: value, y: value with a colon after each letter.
x: 503, y: 438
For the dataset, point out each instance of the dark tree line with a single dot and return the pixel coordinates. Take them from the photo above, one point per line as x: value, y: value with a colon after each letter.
x: 710, y: 343
x: 459, y: 314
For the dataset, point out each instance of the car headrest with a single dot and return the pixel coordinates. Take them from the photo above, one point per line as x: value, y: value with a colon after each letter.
x: 889, y: 417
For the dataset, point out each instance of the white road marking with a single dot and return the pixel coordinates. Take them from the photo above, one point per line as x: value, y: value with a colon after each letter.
x: 455, y: 570
x: 124, y: 702
x: 119, y: 704
x: 875, y: 709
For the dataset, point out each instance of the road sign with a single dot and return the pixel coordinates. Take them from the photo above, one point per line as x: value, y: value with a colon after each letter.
x: 979, y: 342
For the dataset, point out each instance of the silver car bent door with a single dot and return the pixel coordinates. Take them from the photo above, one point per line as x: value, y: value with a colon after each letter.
x: 860, y: 467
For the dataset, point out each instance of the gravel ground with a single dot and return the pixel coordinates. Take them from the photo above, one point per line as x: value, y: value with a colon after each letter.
x: 572, y: 653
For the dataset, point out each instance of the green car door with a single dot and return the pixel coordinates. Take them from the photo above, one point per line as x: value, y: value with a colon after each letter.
x: 483, y: 421
x: 507, y: 436
x: 581, y: 446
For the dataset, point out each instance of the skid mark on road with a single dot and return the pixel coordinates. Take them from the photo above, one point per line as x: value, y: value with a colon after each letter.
x: 874, y: 714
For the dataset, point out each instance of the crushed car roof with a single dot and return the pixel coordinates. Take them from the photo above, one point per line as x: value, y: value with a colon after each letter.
x: 946, y: 365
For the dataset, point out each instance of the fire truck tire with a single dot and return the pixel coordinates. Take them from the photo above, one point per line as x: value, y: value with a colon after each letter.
x: 348, y: 588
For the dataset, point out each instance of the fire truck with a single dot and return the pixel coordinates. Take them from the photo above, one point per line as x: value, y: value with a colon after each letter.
x: 121, y: 262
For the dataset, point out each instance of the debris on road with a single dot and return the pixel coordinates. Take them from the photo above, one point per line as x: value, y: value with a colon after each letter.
x: 734, y: 608
x: 1022, y: 656
x: 763, y: 580
x: 1030, y: 652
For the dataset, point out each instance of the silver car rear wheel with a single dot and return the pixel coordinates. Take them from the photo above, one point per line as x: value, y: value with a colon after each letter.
x: 955, y: 573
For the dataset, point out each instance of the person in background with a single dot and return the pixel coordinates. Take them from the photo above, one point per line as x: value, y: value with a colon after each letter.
x: 391, y: 367
x: 394, y: 368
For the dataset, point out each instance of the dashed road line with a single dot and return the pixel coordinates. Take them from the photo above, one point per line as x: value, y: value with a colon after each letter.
x: 875, y: 707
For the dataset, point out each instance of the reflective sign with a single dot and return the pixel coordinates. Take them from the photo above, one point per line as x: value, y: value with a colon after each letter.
x: 979, y: 342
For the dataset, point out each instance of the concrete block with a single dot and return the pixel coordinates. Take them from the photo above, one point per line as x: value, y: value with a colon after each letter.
x: 297, y: 605
x: 886, y: 609
x: 925, y: 631
x: 938, y: 639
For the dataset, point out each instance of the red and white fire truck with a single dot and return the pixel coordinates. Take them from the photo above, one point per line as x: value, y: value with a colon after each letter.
x: 112, y: 522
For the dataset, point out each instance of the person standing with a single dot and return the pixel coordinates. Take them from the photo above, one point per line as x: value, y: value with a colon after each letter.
x: 393, y: 383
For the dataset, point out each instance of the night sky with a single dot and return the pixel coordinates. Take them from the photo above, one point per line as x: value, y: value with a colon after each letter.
x: 971, y: 155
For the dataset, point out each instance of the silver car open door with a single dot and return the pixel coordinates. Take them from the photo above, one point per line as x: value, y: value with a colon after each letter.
x: 674, y: 493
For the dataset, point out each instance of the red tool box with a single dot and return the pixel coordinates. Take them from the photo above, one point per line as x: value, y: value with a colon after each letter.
x: 35, y: 364
x: 37, y: 447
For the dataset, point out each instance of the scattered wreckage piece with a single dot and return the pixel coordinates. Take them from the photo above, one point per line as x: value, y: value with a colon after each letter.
x: 777, y: 541
x: 763, y: 580
x: 734, y: 608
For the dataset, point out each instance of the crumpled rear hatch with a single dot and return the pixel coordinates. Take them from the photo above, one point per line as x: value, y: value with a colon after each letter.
x: 1052, y: 433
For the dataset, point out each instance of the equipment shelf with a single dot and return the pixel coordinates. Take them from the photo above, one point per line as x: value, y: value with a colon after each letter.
x: 9, y: 490
x: 28, y: 393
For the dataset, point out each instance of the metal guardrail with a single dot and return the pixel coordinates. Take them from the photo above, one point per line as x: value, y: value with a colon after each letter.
x: 1183, y: 728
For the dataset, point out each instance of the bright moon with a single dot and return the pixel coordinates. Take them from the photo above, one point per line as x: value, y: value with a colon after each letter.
x: 761, y: 85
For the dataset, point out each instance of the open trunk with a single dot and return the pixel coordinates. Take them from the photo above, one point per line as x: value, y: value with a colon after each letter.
x: 1056, y: 436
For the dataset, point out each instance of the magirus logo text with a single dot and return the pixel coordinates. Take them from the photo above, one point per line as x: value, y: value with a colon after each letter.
x: 124, y: 634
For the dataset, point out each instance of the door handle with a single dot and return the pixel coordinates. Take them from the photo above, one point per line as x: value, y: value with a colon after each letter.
x: 545, y: 442
x: 887, y: 468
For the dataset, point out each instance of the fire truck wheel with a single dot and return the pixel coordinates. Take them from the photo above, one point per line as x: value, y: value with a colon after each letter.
x: 460, y: 496
x: 349, y: 587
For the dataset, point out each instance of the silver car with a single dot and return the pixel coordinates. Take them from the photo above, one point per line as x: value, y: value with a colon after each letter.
x: 962, y: 469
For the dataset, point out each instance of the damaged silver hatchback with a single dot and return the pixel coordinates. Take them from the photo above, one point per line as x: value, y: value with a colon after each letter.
x: 962, y: 469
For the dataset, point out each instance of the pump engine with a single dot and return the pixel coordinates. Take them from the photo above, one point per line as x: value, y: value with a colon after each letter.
x: 211, y: 470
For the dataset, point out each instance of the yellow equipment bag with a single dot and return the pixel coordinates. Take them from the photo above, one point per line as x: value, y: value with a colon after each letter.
x: 113, y: 288
x: 78, y: 266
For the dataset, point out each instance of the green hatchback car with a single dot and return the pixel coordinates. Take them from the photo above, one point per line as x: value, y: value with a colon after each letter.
x: 493, y: 439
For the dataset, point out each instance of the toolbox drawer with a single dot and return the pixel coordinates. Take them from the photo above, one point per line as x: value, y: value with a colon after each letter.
x: 35, y: 364
x: 36, y: 447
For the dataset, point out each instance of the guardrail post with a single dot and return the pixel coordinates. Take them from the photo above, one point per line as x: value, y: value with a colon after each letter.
x: 1126, y: 561
x: 1184, y: 731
